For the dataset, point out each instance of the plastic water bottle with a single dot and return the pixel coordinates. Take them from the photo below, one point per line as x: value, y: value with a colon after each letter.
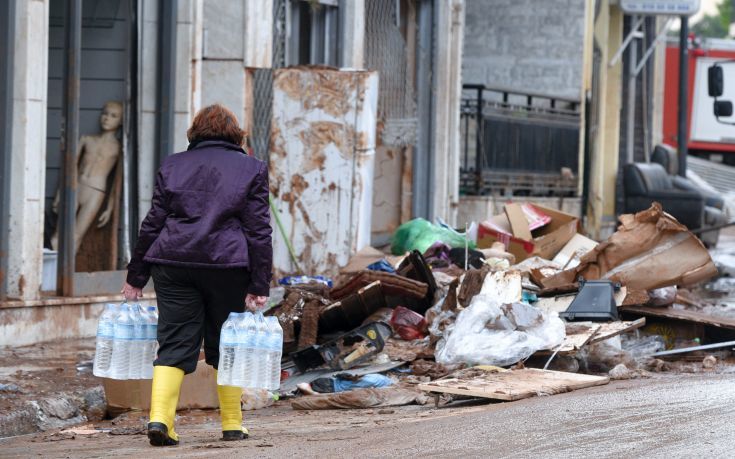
x: 122, y: 341
x: 137, y: 345
x: 275, y: 348
x: 227, y: 345
x: 258, y: 376
x: 150, y: 344
x: 105, y: 335
x: 241, y: 366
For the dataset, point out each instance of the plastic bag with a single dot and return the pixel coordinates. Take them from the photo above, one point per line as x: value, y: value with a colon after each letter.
x: 419, y: 234
x: 408, y: 324
x: 300, y: 280
x: 375, y: 380
x: 605, y: 355
x: 255, y: 399
x: 663, y: 296
x: 643, y: 346
x: 382, y: 265
x: 487, y: 333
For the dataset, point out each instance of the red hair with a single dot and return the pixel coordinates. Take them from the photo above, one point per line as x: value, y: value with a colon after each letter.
x: 216, y: 122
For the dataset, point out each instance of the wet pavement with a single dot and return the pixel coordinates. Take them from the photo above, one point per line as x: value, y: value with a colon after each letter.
x: 669, y: 416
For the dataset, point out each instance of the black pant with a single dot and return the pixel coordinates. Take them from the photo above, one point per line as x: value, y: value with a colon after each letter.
x: 193, y: 303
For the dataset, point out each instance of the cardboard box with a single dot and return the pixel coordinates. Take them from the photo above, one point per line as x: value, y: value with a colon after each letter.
x: 545, y: 242
x: 199, y: 390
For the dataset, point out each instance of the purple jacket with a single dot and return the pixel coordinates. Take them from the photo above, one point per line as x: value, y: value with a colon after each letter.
x: 209, y: 210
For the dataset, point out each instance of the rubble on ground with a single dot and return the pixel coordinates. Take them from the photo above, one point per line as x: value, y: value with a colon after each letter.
x: 495, y: 298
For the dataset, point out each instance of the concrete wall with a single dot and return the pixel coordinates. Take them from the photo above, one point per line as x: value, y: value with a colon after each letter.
x: 529, y: 45
x: 23, y: 323
x: 27, y: 169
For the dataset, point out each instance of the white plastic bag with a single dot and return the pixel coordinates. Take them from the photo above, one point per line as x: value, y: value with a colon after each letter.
x: 487, y: 333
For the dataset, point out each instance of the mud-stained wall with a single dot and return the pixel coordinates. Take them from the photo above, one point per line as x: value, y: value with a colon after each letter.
x: 387, y: 193
x: 321, y: 165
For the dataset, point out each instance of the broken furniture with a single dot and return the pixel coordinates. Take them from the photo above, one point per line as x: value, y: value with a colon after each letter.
x: 346, y: 351
x: 350, y: 311
x: 412, y: 286
x: 714, y: 204
x: 595, y: 301
x: 645, y: 183
x: 415, y: 267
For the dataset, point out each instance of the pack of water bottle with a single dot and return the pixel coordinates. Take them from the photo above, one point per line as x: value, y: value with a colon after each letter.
x: 250, y: 351
x: 126, y: 342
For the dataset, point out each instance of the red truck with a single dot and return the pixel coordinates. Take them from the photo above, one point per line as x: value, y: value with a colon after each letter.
x: 708, y: 135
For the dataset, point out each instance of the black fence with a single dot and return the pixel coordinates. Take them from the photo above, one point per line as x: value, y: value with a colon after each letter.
x: 518, y: 143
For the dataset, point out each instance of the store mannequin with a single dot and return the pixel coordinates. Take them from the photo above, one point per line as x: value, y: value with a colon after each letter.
x: 98, y: 156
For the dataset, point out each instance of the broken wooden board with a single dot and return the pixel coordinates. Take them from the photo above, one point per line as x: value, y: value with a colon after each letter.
x: 685, y: 315
x: 580, y: 334
x: 612, y: 329
x: 511, y: 385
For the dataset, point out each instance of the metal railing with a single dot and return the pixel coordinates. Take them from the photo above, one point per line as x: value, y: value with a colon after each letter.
x: 500, y: 132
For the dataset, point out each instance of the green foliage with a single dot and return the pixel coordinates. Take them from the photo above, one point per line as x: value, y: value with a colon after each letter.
x: 715, y: 26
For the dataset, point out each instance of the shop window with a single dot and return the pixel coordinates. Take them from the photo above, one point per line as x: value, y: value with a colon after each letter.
x: 104, y: 135
x: 314, y: 32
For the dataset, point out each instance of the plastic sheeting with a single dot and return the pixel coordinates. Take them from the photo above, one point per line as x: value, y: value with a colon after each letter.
x: 491, y: 333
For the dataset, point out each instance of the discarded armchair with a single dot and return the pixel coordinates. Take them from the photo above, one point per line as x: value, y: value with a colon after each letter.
x: 645, y: 183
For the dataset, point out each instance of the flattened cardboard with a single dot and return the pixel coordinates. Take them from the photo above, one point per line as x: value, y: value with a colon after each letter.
x: 547, y: 241
x: 199, y: 390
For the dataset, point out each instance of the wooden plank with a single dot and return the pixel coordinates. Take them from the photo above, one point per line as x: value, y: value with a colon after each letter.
x: 609, y: 330
x: 682, y: 314
x: 511, y: 385
x: 579, y: 334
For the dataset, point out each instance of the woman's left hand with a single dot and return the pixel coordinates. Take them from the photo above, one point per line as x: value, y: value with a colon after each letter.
x: 255, y: 303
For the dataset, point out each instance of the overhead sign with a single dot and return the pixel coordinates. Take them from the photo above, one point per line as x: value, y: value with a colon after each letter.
x: 672, y: 7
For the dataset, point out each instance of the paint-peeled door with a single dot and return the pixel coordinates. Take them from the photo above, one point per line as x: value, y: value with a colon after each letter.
x: 321, y: 165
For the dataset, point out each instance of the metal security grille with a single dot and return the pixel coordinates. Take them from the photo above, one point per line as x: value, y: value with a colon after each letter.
x: 386, y: 52
x: 263, y: 85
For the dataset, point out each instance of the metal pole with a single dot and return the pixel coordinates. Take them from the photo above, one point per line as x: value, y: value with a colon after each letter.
x: 682, y: 137
x: 478, y: 143
x: 69, y: 148
x: 6, y: 137
x: 421, y: 182
x: 166, y: 77
x: 630, y: 105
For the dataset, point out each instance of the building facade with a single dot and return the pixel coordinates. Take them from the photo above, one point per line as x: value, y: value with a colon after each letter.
x: 68, y: 62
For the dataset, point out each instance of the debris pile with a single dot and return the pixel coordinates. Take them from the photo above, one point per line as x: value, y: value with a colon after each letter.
x: 495, y: 312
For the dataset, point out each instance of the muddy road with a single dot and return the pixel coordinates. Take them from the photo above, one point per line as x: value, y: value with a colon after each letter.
x: 670, y: 416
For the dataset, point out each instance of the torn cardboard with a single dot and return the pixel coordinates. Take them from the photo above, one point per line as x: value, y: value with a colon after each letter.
x: 199, y: 390
x: 569, y: 256
x: 649, y: 250
x: 544, y: 242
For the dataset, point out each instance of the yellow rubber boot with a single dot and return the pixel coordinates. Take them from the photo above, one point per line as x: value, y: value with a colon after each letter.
x: 164, y: 398
x: 231, y: 412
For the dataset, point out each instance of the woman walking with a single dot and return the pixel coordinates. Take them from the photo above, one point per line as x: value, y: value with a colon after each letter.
x: 206, y: 241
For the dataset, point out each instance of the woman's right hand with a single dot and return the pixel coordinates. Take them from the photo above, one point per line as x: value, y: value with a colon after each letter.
x: 131, y: 293
x: 255, y: 303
